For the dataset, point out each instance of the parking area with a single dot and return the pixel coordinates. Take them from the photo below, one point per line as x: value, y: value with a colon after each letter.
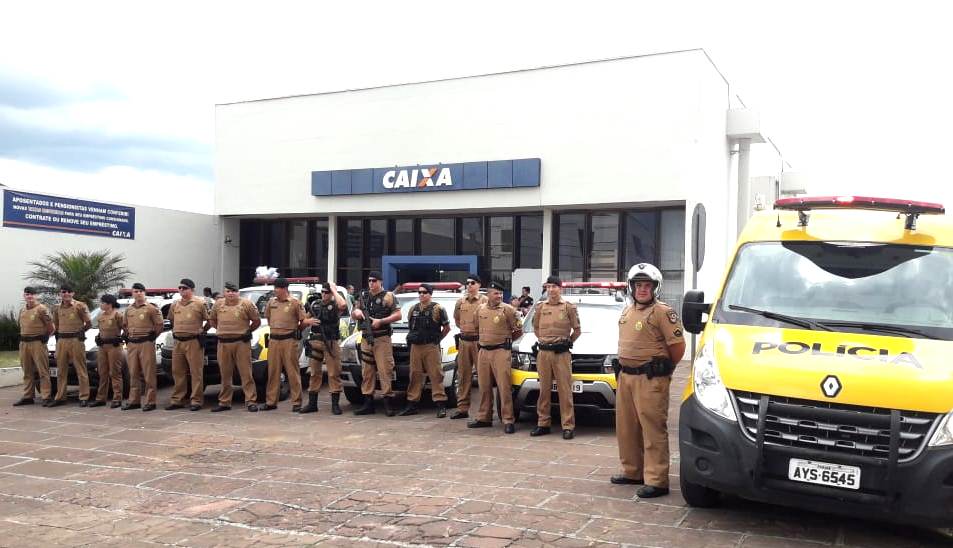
x: 103, y: 477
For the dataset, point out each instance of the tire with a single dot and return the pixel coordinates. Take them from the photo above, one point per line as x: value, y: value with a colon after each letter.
x: 697, y: 496
x: 354, y: 395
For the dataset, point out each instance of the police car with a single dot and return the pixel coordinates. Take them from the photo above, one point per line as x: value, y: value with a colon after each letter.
x: 445, y: 294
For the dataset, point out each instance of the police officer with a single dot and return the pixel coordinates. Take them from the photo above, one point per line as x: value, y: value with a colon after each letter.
x: 325, y: 347
x: 465, y: 316
x: 498, y: 326
x: 286, y: 319
x: 71, y: 320
x: 142, y: 322
x: 378, y: 308
x: 109, y: 353
x: 234, y: 320
x: 36, y: 326
x: 429, y: 324
x: 189, y: 317
x: 650, y: 344
x: 556, y: 323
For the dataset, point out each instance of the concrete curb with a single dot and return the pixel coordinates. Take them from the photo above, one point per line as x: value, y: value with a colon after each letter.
x: 11, y: 376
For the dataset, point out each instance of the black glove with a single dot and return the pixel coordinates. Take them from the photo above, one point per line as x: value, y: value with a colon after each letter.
x: 99, y: 340
x: 535, y: 349
x: 569, y: 343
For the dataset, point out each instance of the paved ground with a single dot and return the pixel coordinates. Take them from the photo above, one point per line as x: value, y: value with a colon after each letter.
x: 101, y: 477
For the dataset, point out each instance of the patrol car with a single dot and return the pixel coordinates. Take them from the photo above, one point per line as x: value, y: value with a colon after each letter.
x: 599, y: 305
x: 446, y: 294
x: 823, y: 378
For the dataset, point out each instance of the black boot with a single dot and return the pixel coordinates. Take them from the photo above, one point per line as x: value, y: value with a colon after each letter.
x: 411, y: 409
x: 335, y: 403
x: 367, y: 408
x: 312, y: 406
x: 441, y: 409
x: 389, y: 409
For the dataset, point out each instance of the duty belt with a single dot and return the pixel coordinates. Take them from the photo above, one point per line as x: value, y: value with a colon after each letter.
x: 281, y: 337
x: 32, y: 338
x: 184, y: 338
x: 115, y: 342
x: 469, y: 338
x: 641, y: 370
x: 137, y: 340
x: 79, y: 335
x: 246, y: 337
x: 558, y: 348
x: 505, y: 346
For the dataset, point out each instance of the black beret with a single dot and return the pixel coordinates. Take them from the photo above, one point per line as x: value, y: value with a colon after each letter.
x: 139, y: 286
x: 66, y: 287
x: 29, y: 290
x: 230, y: 286
x: 427, y: 287
x: 375, y: 274
x: 554, y: 281
x: 187, y: 282
x: 109, y: 299
x: 494, y: 285
x: 281, y: 282
x: 475, y: 278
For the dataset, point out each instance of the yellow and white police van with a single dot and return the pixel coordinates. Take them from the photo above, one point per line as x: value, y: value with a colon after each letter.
x: 824, y: 377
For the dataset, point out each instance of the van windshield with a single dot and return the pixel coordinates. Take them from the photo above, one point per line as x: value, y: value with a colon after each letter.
x: 843, y: 286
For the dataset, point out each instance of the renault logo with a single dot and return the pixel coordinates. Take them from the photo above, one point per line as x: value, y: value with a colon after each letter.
x: 831, y: 386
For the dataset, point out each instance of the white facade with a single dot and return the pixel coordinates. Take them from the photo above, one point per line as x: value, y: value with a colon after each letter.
x: 168, y: 246
x: 626, y: 133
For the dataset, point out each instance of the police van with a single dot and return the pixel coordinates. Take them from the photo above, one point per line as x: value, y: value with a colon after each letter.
x: 823, y: 379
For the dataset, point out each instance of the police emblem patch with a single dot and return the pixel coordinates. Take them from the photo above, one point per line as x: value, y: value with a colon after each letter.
x: 329, y: 307
x: 188, y: 315
x: 562, y: 315
x: 142, y: 316
x: 673, y: 316
x: 496, y: 319
x: 638, y: 326
x: 287, y: 308
x: 33, y: 317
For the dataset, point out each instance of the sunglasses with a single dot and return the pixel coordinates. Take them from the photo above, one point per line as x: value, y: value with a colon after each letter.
x: 371, y: 280
x: 184, y: 287
x: 471, y: 282
x: 423, y: 293
x: 63, y: 292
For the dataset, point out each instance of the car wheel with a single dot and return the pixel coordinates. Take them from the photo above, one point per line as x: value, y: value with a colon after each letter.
x: 696, y: 495
x: 354, y: 395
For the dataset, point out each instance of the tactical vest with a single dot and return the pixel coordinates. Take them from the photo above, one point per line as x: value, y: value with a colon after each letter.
x: 423, y: 328
x: 376, y: 309
x: 330, y: 319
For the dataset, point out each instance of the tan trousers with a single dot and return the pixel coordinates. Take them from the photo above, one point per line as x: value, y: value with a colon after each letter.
x: 35, y: 361
x: 109, y: 365
x: 641, y: 427
x: 141, y: 360
x: 283, y: 356
x: 383, y: 366
x: 550, y: 365
x: 328, y: 353
x: 494, y: 365
x: 425, y: 360
x: 233, y: 355
x: 188, y: 359
x: 71, y: 351
x: 467, y: 354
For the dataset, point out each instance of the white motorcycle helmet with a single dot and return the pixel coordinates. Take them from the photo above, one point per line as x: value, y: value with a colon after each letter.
x: 645, y: 271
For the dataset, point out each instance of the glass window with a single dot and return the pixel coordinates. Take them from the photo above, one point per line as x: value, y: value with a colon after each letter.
x: 531, y: 241
x: 321, y: 244
x: 641, y: 232
x: 672, y: 255
x: 404, y: 237
x: 436, y: 236
x: 377, y: 242
x: 278, y: 245
x: 571, y: 237
x: 298, y: 247
x: 501, y: 244
x: 472, y: 236
x: 604, y: 244
x: 352, y: 242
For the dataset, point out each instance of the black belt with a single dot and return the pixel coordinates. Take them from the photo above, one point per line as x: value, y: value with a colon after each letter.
x: 469, y: 338
x: 32, y: 338
x: 81, y: 336
x: 184, y: 338
x: 114, y: 342
x: 147, y: 338
x: 641, y: 370
x: 277, y: 337
x: 246, y: 337
x: 558, y: 348
x: 504, y: 346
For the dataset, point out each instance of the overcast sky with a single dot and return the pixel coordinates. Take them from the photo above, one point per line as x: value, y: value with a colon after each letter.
x: 115, y: 100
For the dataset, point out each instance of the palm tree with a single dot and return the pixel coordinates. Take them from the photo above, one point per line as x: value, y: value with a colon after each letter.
x: 89, y: 273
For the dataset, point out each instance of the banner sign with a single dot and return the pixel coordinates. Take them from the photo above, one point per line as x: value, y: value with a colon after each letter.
x: 55, y: 214
x: 427, y: 178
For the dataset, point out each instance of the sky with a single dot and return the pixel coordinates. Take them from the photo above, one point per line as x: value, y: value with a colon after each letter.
x: 114, y: 101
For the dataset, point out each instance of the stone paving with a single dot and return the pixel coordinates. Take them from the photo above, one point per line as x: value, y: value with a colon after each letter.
x: 102, y: 477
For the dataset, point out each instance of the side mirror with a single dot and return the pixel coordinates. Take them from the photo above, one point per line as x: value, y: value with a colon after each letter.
x: 693, y: 307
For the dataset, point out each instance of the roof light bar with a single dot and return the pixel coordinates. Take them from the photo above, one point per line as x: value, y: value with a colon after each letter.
x: 859, y: 202
x: 261, y: 280
x: 438, y: 286
x: 598, y: 285
x: 151, y: 291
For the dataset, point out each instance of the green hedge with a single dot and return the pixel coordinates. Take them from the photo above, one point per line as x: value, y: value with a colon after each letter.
x: 9, y: 331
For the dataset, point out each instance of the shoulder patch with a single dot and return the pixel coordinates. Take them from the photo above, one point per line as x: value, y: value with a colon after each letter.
x: 677, y: 332
x: 673, y: 317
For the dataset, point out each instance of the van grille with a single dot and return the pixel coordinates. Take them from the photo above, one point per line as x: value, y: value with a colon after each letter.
x: 588, y: 363
x: 834, y: 428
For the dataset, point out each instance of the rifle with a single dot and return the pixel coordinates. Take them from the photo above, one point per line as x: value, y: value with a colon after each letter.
x: 367, y: 322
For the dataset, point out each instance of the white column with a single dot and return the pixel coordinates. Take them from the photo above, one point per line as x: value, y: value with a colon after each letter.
x: 744, y: 186
x: 547, y: 264
x: 333, y: 248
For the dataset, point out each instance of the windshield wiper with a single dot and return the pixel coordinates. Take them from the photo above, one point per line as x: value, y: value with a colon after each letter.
x: 883, y: 328
x: 803, y: 322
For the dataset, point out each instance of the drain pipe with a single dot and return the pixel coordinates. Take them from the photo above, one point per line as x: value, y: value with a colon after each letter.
x: 744, y: 187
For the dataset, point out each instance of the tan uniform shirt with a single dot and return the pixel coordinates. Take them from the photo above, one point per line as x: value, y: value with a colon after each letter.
x: 283, y: 316
x: 232, y: 320
x: 465, y: 314
x: 646, y: 332
x: 110, y: 324
x: 142, y: 320
x: 72, y: 318
x: 496, y: 323
x: 34, y: 321
x: 188, y: 317
x: 554, y: 322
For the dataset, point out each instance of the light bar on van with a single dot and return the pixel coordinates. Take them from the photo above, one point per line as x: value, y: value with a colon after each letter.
x: 860, y: 202
x: 151, y: 291
x: 261, y: 280
x: 437, y: 286
x: 596, y: 285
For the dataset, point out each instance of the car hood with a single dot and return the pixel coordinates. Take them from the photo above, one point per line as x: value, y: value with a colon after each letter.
x: 870, y: 370
x: 587, y: 343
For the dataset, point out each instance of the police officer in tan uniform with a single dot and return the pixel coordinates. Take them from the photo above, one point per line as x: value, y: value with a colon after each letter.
x: 324, y: 345
x: 498, y: 325
x: 650, y: 344
x: 189, y: 317
x: 286, y: 318
x: 465, y: 316
x: 379, y: 308
x: 143, y: 324
x: 556, y: 324
x: 36, y: 326
x: 71, y: 320
x: 234, y: 320
x: 109, y: 353
x: 429, y: 324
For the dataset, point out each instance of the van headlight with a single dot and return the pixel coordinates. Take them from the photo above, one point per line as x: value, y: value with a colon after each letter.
x: 710, y: 391
x: 944, y: 433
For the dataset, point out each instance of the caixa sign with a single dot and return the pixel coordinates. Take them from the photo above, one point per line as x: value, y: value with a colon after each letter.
x: 427, y: 178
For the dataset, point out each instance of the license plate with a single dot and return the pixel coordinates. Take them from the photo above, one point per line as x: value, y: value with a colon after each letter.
x: 576, y: 387
x: 52, y: 372
x: 824, y: 473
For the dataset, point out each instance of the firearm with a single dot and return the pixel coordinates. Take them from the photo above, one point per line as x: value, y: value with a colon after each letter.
x: 367, y: 322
